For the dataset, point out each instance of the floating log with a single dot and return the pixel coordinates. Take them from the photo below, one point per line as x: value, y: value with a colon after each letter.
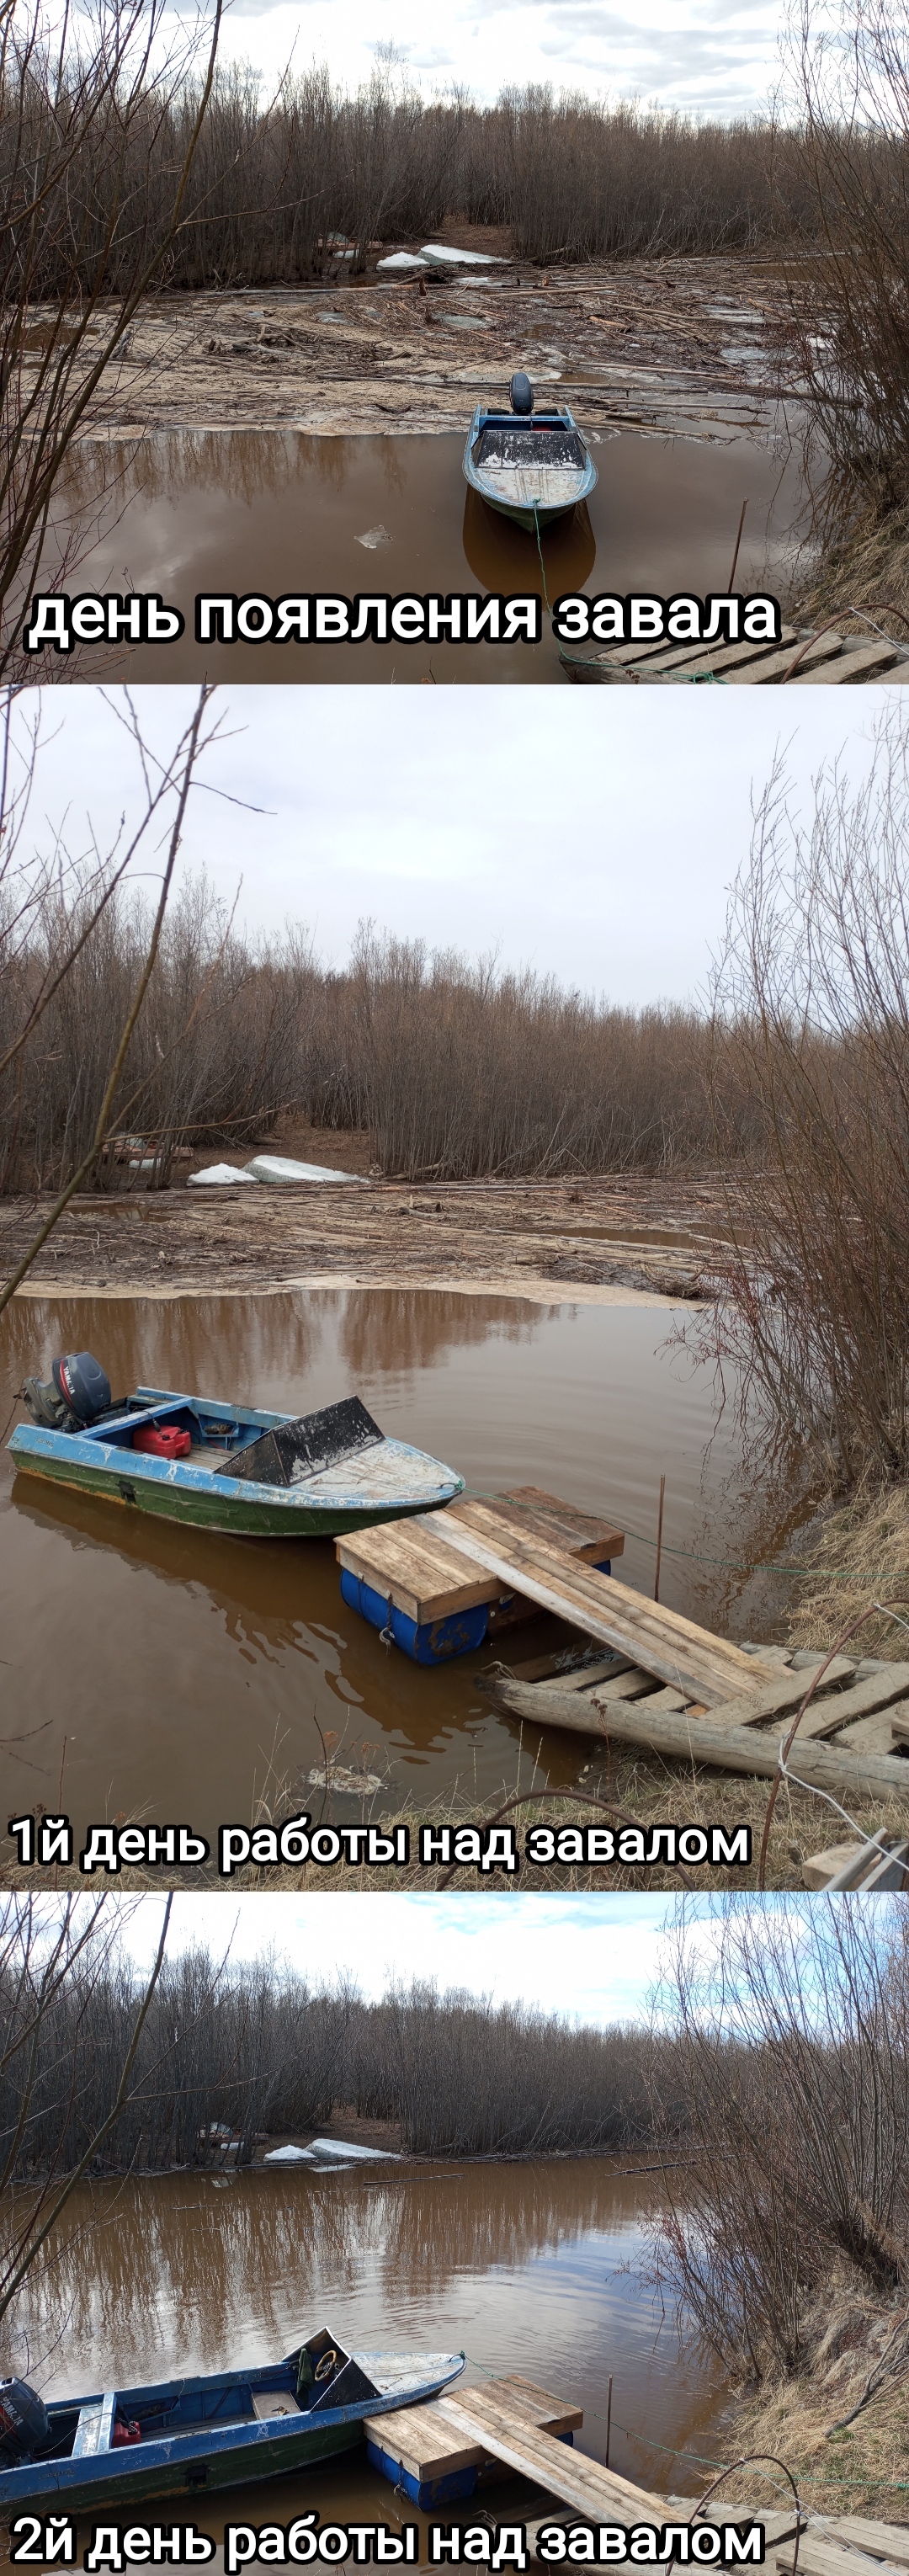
x: 723, y: 1747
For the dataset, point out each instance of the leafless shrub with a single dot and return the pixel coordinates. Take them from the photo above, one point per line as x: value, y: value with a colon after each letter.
x: 793, y: 2068
x: 57, y: 919
x: 97, y: 141
x: 849, y: 301
x: 470, y: 2077
x: 452, y: 1068
x: 55, y: 1961
x: 245, y: 2051
x: 812, y: 1023
x: 277, y: 188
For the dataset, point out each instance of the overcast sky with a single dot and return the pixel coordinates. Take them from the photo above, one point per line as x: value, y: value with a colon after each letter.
x: 595, y: 1957
x: 708, y: 57
x: 587, y: 833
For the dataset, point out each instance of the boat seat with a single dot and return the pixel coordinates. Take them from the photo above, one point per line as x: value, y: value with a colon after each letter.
x: 269, y: 2402
x: 94, y: 2431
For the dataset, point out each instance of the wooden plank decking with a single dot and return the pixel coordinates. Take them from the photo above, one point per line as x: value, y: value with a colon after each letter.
x: 675, y: 1650
x: 529, y: 1544
x: 412, y: 1564
x: 430, y: 2444
x: 512, y: 2421
x: 830, y: 660
x: 665, y: 1685
x: 847, y: 1739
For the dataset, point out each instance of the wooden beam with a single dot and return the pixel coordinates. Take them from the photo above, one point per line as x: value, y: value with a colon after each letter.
x: 566, y: 2473
x: 744, y: 1749
x: 580, y: 1712
x: 821, y: 2555
x: 674, y: 1649
x: 878, y: 2539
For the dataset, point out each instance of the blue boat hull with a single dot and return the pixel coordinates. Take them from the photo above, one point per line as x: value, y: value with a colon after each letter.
x: 386, y: 1483
x: 203, y: 2434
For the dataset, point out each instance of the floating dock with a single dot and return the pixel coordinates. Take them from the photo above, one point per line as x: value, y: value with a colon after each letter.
x: 441, y: 1583
x: 513, y: 2425
x: 409, y: 1578
x: 436, y: 2455
x: 523, y: 1552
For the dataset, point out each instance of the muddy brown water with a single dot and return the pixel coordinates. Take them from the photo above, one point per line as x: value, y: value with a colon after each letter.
x: 529, y: 2267
x: 187, y: 1671
x: 274, y: 512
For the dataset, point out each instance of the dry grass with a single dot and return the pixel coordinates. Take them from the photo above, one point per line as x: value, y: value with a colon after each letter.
x: 863, y: 2468
x: 644, y: 1790
x: 861, y: 1555
x: 868, y: 569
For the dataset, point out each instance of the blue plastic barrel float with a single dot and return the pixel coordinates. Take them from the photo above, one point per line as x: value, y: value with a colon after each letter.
x: 454, y: 2484
x: 435, y: 1641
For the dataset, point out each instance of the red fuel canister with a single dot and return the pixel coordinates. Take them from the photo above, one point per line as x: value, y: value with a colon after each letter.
x: 162, y: 1441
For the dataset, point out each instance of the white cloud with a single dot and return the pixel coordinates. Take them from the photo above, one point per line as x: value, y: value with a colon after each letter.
x: 591, y: 1957
x: 658, y: 53
x: 536, y: 822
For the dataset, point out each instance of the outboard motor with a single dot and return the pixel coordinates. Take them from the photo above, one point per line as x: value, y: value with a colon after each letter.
x: 77, y: 1393
x: 521, y: 394
x: 25, y: 2425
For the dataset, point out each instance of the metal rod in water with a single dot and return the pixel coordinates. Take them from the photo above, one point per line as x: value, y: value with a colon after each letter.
x: 656, y: 1579
x: 608, y: 2417
x: 738, y: 543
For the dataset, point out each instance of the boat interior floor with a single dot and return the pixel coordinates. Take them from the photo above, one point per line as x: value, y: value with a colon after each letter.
x: 92, y: 2429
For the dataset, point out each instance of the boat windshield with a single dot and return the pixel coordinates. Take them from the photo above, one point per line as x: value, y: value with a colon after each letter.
x: 525, y: 446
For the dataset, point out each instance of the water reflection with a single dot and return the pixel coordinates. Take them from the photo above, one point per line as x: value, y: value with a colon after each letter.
x: 392, y: 1331
x: 526, y: 2266
x: 281, y: 510
x: 182, y: 1666
x: 505, y: 558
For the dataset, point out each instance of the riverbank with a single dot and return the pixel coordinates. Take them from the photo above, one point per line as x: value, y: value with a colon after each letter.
x: 868, y: 566
x: 839, y: 2468
x: 638, y: 1234
x: 856, y: 1551
x: 635, y: 1790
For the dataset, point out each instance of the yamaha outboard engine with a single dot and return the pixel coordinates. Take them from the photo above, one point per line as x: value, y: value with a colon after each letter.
x: 25, y: 2425
x: 77, y: 1393
x: 521, y: 394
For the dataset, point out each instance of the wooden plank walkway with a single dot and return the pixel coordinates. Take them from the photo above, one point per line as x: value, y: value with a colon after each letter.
x: 675, y: 1650
x: 800, y: 660
x: 512, y: 2421
x: 849, y: 1737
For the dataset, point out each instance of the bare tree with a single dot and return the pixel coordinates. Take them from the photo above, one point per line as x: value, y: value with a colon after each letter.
x: 793, y: 2072
x: 100, y: 125
x: 811, y: 1024
x: 848, y: 302
x: 54, y: 1958
x: 50, y: 910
